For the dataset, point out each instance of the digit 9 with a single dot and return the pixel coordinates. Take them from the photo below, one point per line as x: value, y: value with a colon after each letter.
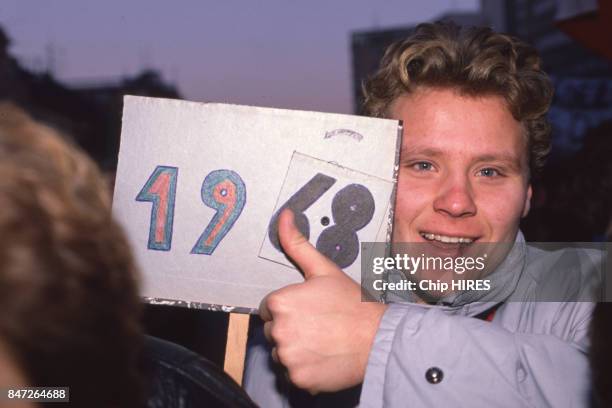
x: 224, y: 191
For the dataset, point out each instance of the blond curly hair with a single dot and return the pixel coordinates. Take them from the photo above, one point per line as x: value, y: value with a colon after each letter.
x: 474, y: 61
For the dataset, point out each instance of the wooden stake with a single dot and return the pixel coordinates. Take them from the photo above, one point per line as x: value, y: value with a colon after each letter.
x: 235, y: 348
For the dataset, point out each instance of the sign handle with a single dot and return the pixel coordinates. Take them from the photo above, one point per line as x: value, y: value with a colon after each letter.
x: 235, y: 348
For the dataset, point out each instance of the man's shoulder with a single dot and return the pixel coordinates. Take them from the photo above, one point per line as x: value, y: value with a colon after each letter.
x: 562, y: 272
x: 570, y: 253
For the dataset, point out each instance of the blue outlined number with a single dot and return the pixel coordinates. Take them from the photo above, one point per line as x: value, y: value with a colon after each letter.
x: 160, y: 189
x: 224, y: 191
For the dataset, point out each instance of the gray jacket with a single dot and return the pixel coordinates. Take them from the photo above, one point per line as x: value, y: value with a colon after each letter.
x: 532, y: 354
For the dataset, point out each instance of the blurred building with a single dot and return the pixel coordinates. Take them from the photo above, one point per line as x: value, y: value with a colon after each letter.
x: 88, y: 113
x: 107, y: 96
x: 583, y: 80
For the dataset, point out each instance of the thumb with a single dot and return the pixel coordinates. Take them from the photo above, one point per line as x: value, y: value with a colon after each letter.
x: 310, y: 261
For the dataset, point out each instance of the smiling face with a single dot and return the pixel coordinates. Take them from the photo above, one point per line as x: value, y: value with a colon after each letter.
x: 463, y: 172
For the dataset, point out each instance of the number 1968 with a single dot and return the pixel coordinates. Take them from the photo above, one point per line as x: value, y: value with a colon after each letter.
x: 224, y: 191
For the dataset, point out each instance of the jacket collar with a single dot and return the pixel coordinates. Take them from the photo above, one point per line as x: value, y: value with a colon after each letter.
x: 504, y: 280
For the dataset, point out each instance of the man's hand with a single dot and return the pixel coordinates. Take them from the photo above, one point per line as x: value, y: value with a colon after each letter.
x: 321, y: 330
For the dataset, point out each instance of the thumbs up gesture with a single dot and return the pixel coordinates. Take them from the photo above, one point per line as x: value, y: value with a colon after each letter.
x: 321, y: 330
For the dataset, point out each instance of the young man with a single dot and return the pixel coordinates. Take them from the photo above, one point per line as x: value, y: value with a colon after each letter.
x: 473, y: 105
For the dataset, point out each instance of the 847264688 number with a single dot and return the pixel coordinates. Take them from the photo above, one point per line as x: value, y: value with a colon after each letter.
x: 37, y: 394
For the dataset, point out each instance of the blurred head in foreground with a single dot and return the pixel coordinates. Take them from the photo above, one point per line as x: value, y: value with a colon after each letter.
x: 68, y: 290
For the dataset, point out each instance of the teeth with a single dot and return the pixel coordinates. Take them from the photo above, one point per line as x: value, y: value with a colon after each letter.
x: 447, y: 240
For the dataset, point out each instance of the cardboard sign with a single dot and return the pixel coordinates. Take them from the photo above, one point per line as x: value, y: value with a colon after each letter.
x: 199, y: 187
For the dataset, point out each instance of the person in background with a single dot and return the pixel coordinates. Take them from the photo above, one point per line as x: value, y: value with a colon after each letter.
x: 68, y: 285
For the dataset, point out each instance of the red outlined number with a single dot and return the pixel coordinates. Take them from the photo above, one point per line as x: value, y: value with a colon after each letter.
x: 160, y: 189
x: 222, y: 190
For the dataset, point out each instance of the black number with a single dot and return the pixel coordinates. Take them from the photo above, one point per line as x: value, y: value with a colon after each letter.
x: 352, y: 209
x: 298, y: 203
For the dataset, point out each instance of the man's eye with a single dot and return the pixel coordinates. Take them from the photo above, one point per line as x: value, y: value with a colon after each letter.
x: 489, y: 172
x: 422, y: 166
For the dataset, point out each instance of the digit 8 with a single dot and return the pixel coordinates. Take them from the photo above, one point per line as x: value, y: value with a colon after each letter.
x: 352, y: 209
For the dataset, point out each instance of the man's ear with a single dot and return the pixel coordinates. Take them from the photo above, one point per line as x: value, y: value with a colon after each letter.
x: 527, y: 204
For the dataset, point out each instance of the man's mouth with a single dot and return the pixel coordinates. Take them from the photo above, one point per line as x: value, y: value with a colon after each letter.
x: 447, y: 239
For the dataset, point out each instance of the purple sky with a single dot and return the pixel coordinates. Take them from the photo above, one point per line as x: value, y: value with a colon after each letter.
x: 279, y: 53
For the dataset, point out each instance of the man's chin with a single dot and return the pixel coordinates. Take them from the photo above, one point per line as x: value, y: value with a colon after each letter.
x: 437, y: 249
x: 445, y: 249
x: 430, y: 284
x: 448, y: 262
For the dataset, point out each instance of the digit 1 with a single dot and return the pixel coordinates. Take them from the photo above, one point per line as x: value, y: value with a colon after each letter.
x: 298, y: 203
x: 224, y: 191
x: 160, y: 189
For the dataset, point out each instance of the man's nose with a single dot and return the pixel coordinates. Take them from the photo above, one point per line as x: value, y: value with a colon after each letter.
x: 455, y: 197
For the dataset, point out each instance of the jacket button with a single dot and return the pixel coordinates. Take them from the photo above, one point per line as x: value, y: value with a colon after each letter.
x: 434, y: 375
